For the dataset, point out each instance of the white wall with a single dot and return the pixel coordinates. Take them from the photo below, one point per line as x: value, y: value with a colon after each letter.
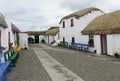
x: 23, y: 40
x: 110, y: 45
x: 51, y: 38
x: 97, y: 44
x: 79, y: 24
x: 41, y: 37
x: 4, y: 37
x: 113, y: 43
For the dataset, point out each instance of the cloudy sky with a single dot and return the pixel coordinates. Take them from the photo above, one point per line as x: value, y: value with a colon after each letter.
x: 36, y: 15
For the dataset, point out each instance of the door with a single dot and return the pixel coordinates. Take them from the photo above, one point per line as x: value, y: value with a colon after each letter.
x: 36, y: 38
x: 63, y: 39
x: 103, y: 44
x: 73, y: 39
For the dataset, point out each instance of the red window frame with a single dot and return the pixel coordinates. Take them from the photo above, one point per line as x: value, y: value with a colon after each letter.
x: 0, y: 38
x: 63, y: 24
x: 72, y: 23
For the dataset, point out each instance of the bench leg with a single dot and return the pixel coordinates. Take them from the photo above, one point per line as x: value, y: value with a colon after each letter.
x: 3, y: 77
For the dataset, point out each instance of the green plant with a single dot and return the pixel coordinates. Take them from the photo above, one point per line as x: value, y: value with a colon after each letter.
x: 91, y: 42
x: 116, y: 55
x: 30, y: 39
x: 42, y: 41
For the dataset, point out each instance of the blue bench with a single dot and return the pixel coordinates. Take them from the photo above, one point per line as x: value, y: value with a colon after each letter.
x: 4, y: 69
x: 79, y: 46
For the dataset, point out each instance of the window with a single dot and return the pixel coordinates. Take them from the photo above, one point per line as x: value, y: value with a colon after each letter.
x: 73, y: 39
x: 91, y: 40
x: 63, y: 24
x: 72, y: 24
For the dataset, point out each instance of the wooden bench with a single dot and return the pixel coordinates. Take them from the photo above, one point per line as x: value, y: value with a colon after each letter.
x: 4, y: 68
x: 63, y: 44
x: 12, y: 56
x: 79, y: 46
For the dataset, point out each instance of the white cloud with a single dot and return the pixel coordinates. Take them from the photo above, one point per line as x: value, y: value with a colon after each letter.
x: 41, y: 14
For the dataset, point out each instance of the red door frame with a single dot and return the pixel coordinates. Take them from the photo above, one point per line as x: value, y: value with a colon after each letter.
x: 0, y: 37
x: 101, y: 42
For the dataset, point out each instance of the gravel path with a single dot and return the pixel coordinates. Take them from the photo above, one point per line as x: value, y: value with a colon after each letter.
x: 87, y: 66
x: 28, y: 68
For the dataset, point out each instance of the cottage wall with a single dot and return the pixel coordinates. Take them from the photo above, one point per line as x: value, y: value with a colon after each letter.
x: 79, y: 24
x: 97, y: 44
x: 113, y: 43
x: 12, y: 40
x: 4, y: 37
x: 23, y: 40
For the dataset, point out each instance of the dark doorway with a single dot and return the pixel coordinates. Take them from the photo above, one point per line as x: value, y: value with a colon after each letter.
x: 63, y: 39
x: 36, y: 38
x: 73, y: 39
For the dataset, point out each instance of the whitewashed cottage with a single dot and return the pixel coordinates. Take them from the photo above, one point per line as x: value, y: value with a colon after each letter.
x: 52, y: 35
x: 106, y: 33
x: 72, y: 24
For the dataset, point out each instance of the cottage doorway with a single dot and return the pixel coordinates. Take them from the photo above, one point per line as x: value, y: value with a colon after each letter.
x: 73, y: 39
x: 36, y: 38
x: 103, y: 44
x: 63, y: 39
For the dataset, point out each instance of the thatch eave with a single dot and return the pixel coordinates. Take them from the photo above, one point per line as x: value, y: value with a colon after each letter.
x: 81, y: 13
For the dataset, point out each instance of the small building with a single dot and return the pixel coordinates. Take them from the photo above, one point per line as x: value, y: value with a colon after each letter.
x: 52, y: 35
x: 106, y: 33
x: 36, y: 35
x: 72, y: 24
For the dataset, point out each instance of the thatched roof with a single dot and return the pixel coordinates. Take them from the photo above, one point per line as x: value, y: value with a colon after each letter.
x: 15, y: 29
x: 52, y: 31
x: 2, y: 21
x: 81, y: 13
x: 35, y: 32
x: 104, y: 24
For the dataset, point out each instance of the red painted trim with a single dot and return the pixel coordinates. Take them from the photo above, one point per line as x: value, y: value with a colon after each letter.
x: 63, y: 24
x: 9, y: 36
x: 0, y: 37
x: 72, y: 23
x: 101, y: 42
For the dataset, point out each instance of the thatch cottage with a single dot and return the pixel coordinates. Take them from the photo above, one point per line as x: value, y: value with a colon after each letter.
x: 72, y: 24
x: 36, y: 36
x: 106, y: 31
x: 52, y: 35
x: 9, y: 33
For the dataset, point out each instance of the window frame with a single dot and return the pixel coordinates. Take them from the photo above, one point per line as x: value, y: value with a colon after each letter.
x: 63, y: 24
x: 72, y: 22
x: 91, y: 40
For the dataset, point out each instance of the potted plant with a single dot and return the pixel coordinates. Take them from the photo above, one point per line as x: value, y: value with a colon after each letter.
x: 90, y: 42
